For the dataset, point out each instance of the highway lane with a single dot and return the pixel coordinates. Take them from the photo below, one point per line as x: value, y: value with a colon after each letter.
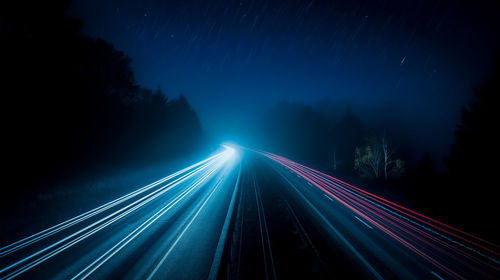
x: 296, y: 222
x: 266, y: 242
x: 243, y: 214
x: 161, y: 230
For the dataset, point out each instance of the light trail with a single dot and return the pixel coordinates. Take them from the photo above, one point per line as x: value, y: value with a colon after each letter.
x: 82, y: 217
x: 189, y: 197
x: 200, y: 171
x: 188, y: 225
x: 416, y: 223
x: 414, y: 215
x: 222, y: 235
x: 108, y: 220
x: 430, y: 239
x: 131, y: 236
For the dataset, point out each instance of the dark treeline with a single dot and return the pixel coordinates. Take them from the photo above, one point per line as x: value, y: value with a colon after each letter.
x: 472, y: 162
x: 463, y: 193
x: 70, y: 103
x: 327, y: 141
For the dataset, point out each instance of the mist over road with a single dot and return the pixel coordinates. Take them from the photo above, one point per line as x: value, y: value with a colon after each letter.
x: 243, y: 214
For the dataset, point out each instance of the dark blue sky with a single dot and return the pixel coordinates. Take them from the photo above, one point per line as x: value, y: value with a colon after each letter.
x: 232, y: 59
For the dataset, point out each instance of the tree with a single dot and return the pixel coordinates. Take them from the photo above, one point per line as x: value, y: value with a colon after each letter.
x: 392, y: 166
x: 473, y: 159
x: 472, y: 156
x: 368, y: 160
x: 74, y: 105
x: 377, y: 158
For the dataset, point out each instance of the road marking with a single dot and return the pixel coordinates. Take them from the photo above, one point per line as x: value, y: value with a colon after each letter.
x: 309, y: 183
x: 363, y: 222
x: 327, y: 196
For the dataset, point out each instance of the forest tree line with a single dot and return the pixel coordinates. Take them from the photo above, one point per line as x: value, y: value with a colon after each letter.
x: 71, y: 102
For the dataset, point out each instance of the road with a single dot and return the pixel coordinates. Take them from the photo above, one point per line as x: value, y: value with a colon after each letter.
x: 243, y: 214
x: 314, y: 226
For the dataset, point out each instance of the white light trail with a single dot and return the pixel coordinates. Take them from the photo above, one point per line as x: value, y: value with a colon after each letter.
x: 6, y: 250
x: 207, y: 167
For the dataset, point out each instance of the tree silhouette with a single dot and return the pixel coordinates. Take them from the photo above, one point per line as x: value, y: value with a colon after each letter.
x: 73, y: 103
x: 472, y: 162
x: 474, y: 153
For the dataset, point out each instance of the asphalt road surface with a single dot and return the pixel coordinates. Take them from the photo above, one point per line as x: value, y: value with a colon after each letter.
x: 243, y: 214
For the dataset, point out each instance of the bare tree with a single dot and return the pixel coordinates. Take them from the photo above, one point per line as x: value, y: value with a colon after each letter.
x: 387, y: 154
x: 368, y: 160
x: 377, y: 157
x: 392, y: 166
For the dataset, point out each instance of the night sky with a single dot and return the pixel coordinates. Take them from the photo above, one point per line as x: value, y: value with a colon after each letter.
x: 419, y: 60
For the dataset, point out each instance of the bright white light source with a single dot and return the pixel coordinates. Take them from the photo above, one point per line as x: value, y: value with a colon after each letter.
x: 229, y: 149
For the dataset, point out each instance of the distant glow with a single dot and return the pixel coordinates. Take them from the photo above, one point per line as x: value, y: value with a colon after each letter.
x: 231, y: 148
x: 227, y: 149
